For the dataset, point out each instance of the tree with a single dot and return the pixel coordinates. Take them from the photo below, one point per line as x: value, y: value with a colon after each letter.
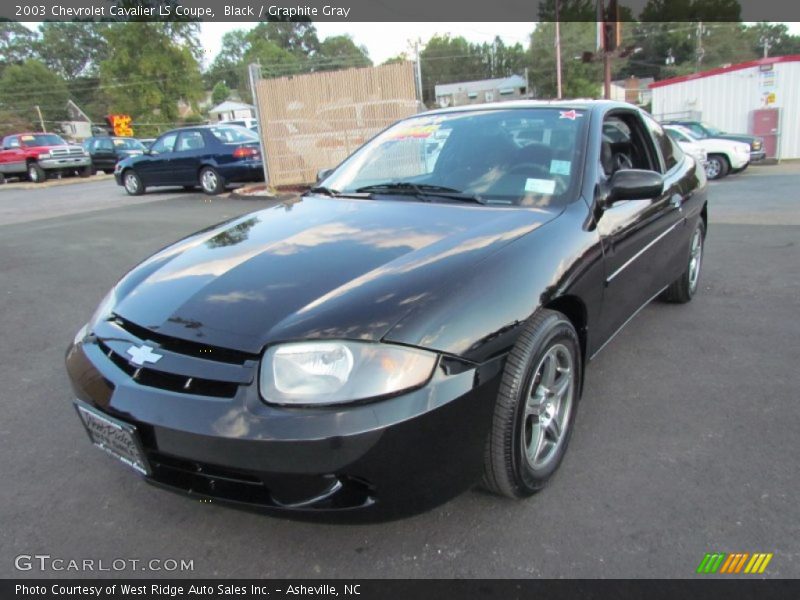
x: 448, y: 59
x: 297, y: 37
x: 72, y: 49
x: 579, y: 79
x: 777, y: 37
x: 151, y: 66
x: 31, y: 83
x: 228, y: 65
x: 340, y: 52
x: 220, y: 93
x: 16, y: 44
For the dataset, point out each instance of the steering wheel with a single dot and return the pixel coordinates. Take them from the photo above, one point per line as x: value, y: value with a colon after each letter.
x: 622, y: 161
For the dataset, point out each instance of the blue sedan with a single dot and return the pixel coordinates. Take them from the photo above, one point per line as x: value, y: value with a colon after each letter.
x: 210, y: 156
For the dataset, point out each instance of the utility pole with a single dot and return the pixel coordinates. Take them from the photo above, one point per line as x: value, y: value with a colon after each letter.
x: 700, y: 52
x: 41, y: 120
x: 765, y: 43
x: 254, y: 72
x: 527, y: 84
x: 418, y: 72
x: 558, y: 54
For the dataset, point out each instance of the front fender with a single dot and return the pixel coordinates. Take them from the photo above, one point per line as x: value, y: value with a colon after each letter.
x: 480, y: 314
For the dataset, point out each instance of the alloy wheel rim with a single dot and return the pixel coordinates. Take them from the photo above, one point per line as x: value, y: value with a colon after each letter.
x: 33, y: 174
x: 131, y: 184
x: 695, y: 259
x: 548, y: 404
x: 209, y: 180
x: 712, y: 170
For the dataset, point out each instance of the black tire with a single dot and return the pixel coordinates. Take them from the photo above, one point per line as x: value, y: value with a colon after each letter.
x: 683, y: 289
x: 211, y: 181
x: 35, y: 173
x: 86, y: 172
x: 508, y: 470
x: 717, y: 166
x: 132, y: 183
x: 2, y: 179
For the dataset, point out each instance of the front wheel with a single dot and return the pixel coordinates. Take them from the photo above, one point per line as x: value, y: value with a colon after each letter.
x: 535, y: 407
x: 133, y: 183
x: 717, y: 166
x: 684, y: 288
x: 87, y: 172
x: 211, y: 181
x: 36, y: 173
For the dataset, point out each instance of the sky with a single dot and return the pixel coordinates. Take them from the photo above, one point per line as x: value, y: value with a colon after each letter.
x: 385, y: 40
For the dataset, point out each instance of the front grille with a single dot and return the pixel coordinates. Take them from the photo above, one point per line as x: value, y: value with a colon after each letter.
x: 170, y: 381
x: 186, y: 347
x: 65, y: 152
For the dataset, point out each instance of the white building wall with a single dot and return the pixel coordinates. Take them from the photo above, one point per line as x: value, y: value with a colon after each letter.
x: 726, y: 100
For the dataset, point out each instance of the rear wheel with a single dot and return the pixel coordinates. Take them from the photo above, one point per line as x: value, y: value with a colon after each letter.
x: 211, y: 181
x: 2, y: 179
x: 717, y: 166
x: 133, y: 183
x: 684, y: 288
x: 535, y: 407
x: 36, y: 173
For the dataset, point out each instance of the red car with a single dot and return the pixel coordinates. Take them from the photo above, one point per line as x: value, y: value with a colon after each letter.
x: 36, y: 155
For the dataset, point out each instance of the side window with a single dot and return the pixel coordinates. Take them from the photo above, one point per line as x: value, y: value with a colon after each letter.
x: 12, y: 142
x: 669, y: 150
x: 104, y: 145
x: 165, y: 143
x: 626, y: 145
x: 190, y: 140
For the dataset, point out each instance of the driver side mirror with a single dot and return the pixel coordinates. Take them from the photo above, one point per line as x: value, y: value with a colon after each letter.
x: 632, y: 184
x: 323, y: 174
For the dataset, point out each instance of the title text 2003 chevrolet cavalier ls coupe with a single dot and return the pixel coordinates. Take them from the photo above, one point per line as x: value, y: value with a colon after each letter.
x: 418, y: 321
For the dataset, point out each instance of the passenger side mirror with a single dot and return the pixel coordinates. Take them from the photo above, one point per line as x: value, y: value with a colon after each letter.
x: 633, y: 184
x: 323, y: 174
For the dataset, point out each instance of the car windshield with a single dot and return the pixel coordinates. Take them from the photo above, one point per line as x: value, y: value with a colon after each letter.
x: 41, y: 139
x: 682, y: 134
x: 128, y: 144
x: 234, y: 135
x: 512, y: 157
x: 712, y: 130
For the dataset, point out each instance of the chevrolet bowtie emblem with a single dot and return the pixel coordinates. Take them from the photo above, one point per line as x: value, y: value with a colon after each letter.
x: 143, y: 354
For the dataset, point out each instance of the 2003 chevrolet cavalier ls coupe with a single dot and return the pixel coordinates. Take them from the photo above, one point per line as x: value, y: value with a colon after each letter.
x: 417, y: 321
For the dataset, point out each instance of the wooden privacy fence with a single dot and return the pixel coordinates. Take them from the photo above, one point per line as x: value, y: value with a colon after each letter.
x: 312, y: 122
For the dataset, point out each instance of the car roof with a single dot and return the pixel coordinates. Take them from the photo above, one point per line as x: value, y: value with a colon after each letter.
x: 577, y: 104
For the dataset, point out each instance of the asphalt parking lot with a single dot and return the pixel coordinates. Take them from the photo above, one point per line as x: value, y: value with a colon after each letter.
x: 687, y: 438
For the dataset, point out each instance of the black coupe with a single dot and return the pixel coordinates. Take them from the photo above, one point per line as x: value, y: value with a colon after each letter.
x: 419, y: 321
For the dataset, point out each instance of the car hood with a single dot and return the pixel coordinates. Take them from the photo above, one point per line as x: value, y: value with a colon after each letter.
x: 735, y: 137
x: 315, y: 267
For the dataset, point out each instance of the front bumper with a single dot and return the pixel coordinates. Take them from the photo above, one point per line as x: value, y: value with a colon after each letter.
x: 373, y: 461
x: 76, y: 162
x: 757, y: 155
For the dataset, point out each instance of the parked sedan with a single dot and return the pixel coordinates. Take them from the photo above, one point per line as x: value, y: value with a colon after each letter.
x: 723, y: 156
x: 107, y: 151
x: 408, y: 327
x: 210, y: 156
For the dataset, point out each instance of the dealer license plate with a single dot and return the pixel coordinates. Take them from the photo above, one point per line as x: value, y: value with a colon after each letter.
x: 116, y: 437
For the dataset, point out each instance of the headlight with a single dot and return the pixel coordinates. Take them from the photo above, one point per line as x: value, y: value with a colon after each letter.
x: 44, y: 155
x: 334, y: 372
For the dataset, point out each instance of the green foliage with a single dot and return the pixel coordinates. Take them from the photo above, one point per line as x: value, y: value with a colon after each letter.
x: 220, y: 93
x: 579, y: 79
x: 340, y: 52
x: 72, y: 49
x: 16, y: 44
x: 448, y: 59
x: 25, y: 85
x: 150, y: 68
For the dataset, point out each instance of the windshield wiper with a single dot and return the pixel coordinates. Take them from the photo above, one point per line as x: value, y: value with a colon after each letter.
x: 321, y: 189
x: 421, y: 190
